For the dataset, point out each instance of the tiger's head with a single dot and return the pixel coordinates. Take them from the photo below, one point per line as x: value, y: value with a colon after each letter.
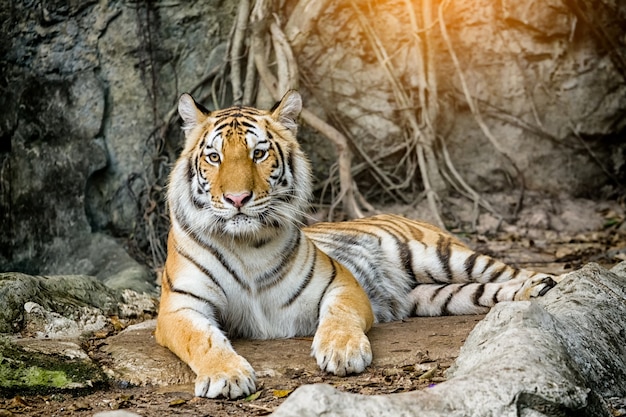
x: 242, y: 172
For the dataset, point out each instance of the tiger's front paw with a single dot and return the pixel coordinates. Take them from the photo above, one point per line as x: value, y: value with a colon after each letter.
x: 232, y: 377
x: 342, y: 352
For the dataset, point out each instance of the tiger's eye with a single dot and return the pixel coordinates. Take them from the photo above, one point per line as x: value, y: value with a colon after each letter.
x: 214, y: 157
x: 259, y: 154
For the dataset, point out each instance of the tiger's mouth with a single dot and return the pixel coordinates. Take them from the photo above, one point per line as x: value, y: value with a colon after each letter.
x: 241, y: 224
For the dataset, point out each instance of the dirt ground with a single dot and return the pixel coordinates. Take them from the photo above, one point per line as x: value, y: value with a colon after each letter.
x: 408, y: 355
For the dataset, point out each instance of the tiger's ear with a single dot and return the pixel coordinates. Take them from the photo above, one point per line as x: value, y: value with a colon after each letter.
x: 286, y: 111
x: 191, y: 112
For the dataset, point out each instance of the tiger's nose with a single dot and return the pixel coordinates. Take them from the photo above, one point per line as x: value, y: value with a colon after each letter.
x: 238, y: 200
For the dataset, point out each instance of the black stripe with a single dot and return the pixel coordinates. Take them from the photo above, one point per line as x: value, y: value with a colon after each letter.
x: 333, y: 275
x: 191, y: 173
x: 214, y: 251
x: 202, y: 313
x: 515, y: 273
x: 434, y: 280
x: 490, y: 262
x: 404, y: 251
x: 480, y: 290
x: 249, y: 126
x: 443, y: 253
x: 258, y: 244
x: 281, y: 156
x: 469, y: 264
x: 494, y: 299
x: 290, y: 163
x: 265, y: 281
x: 221, y: 127
x: 203, y: 142
x: 200, y: 205
x: 202, y: 268
x: 436, y: 292
x: 392, y: 228
x: 304, y: 283
x: 248, y: 118
x: 415, y: 309
x: 196, y: 297
x: 406, y: 257
x: 444, y: 308
x: 167, y: 282
x: 497, y: 274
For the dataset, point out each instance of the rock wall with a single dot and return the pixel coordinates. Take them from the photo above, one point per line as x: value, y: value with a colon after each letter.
x: 547, y: 79
x: 86, y: 84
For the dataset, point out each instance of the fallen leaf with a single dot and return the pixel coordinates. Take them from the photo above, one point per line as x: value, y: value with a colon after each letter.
x: 176, y: 402
x: 117, y: 324
x: 281, y: 393
x: 253, y: 397
x: 429, y: 374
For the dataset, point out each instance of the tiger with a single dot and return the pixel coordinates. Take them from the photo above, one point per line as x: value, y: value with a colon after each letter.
x: 241, y: 263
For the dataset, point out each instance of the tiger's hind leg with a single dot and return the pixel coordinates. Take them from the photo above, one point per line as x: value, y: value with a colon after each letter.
x: 475, y: 297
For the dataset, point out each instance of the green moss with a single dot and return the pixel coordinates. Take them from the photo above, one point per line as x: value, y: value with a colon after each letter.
x: 37, y: 373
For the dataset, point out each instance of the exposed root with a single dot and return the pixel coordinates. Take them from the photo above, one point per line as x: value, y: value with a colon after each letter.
x: 236, y: 50
x: 475, y: 109
x: 421, y: 135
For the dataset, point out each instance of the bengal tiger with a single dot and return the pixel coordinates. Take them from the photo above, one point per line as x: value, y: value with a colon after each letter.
x: 240, y: 264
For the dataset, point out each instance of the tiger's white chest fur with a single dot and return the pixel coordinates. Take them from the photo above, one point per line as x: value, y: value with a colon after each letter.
x: 259, y: 290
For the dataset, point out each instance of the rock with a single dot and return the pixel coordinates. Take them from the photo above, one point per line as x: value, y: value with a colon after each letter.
x: 560, y: 355
x: 58, y: 294
x: 136, y: 359
x: 44, y: 323
x: 64, y: 306
x: 58, y: 307
x: 26, y: 370
x: 589, y: 310
x: 54, y: 150
x: 99, y: 255
x: 77, y: 111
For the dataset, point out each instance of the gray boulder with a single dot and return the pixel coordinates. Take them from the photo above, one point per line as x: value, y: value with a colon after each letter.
x: 65, y: 305
x: 564, y: 354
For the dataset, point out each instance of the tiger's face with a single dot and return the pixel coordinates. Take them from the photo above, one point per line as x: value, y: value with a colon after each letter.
x: 243, y: 171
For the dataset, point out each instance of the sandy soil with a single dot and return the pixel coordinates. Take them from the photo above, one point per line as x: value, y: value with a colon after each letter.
x: 408, y: 355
